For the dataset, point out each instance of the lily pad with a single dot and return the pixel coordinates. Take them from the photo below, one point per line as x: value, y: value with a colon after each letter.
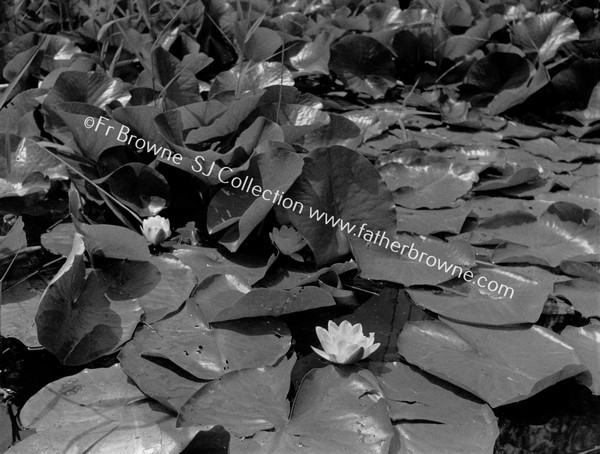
x: 329, y: 406
x: 586, y: 341
x: 408, y: 265
x: 364, y: 64
x: 208, y: 353
x: 492, y: 363
x: 431, y: 415
x: 250, y: 268
x: 428, y: 182
x: 564, y: 231
x: 519, y: 296
x: 99, y: 410
x: 76, y: 320
x: 582, y: 294
x: 222, y: 298
x: 427, y: 222
x: 162, y: 381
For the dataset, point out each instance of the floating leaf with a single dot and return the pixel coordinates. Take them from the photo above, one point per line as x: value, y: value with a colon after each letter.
x: 427, y: 222
x: 14, y: 241
x: 113, y: 241
x: 17, y: 312
x: 208, y: 353
x: 405, y: 260
x: 582, y: 294
x: 329, y: 407
x: 243, y: 402
x: 162, y: 381
x: 586, y: 341
x: 583, y: 193
x: 433, y: 416
x: 463, y: 354
x: 564, y: 231
x: 99, y: 410
x: 518, y: 297
x: 561, y: 149
x: 510, y: 178
x: 217, y: 304
x: 427, y: 181
x: 207, y: 261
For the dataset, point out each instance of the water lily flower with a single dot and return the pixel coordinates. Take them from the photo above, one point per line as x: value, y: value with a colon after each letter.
x: 156, y: 229
x: 288, y: 240
x: 345, y: 344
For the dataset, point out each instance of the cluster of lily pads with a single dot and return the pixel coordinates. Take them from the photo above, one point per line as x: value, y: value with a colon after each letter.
x: 212, y: 300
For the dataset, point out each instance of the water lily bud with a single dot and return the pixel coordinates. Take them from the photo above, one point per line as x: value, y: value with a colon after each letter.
x: 345, y: 344
x: 288, y: 240
x: 156, y: 229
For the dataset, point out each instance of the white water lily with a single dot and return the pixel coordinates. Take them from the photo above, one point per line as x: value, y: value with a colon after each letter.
x: 344, y: 344
x: 288, y: 240
x: 156, y: 229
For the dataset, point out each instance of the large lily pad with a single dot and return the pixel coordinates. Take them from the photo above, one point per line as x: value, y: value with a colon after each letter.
x: 564, y: 231
x: 18, y: 308
x: 408, y: 265
x: 427, y: 222
x: 519, y: 296
x: 586, y: 341
x: 223, y: 297
x: 76, y: 320
x: 161, y: 380
x: 331, y: 413
x: 113, y: 241
x: 243, y: 402
x: 249, y: 268
x: 98, y: 411
x: 583, y: 294
x: 431, y: 416
x: 427, y: 181
x: 208, y: 353
x: 492, y: 363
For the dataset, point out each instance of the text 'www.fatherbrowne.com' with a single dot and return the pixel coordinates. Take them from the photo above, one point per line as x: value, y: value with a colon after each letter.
x: 226, y: 175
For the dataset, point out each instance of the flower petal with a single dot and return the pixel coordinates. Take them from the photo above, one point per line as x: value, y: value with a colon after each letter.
x: 351, y: 355
x: 332, y: 328
x: 368, y: 351
x: 324, y: 338
x: 368, y: 341
x: 324, y: 355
